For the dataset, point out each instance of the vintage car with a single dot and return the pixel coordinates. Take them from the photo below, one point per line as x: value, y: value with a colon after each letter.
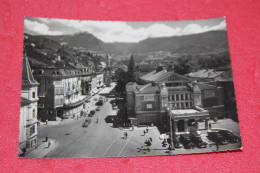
x: 198, y: 141
x: 186, y: 141
x: 228, y: 135
x: 217, y: 138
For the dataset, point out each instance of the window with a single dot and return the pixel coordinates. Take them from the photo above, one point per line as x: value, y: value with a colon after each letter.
x: 33, y: 113
x: 149, y: 106
x: 33, y: 95
x: 32, y: 130
x: 41, y: 106
x: 186, y: 96
x: 177, y: 96
x: 182, y: 97
x: 41, y: 95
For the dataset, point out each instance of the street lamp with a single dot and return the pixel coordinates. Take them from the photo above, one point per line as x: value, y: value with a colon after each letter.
x: 168, y: 108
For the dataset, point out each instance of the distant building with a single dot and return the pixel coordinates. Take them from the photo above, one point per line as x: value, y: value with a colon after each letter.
x: 163, y: 94
x: 229, y: 98
x: 211, y: 75
x: 62, y: 92
x: 142, y: 69
x: 108, y: 72
x: 28, y: 111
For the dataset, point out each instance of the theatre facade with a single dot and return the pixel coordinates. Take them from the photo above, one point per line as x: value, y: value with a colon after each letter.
x: 167, y: 98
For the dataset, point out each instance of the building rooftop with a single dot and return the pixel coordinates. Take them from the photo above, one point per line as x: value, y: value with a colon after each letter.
x: 184, y: 111
x: 149, y: 88
x: 27, y: 77
x: 25, y: 101
x: 162, y: 75
x: 205, y: 73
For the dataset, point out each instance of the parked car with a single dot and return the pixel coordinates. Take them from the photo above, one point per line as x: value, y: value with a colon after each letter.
x: 86, y: 123
x: 91, y: 113
x: 186, y: 141
x: 99, y: 103
x: 198, y: 141
x: 98, y: 109
x: 217, y: 137
x: 228, y: 135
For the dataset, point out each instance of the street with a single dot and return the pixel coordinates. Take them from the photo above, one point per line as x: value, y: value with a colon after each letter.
x: 102, y: 140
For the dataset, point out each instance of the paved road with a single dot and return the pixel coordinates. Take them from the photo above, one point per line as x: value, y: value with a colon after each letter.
x: 102, y: 140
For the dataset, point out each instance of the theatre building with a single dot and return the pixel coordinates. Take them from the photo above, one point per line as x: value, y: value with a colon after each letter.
x: 28, y: 110
x: 62, y: 92
x: 163, y: 95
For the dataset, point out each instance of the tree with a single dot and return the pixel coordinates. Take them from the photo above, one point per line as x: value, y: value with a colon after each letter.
x: 122, y: 78
x: 131, y: 69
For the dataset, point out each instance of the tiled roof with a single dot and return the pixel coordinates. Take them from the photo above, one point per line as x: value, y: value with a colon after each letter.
x: 161, y: 75
x: 149, y: 88
x: 27, y: 77
x: 203, y: 86
x: 25, y: 101
x: 204, y: 73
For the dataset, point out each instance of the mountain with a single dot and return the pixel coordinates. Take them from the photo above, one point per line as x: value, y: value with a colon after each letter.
x: 189, y: 44
x: 82, y: 39
x: 45, y: 52
x: 210, y: 42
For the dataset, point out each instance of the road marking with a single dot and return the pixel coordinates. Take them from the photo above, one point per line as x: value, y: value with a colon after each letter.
x: 126, y: 143
x: 111, y: 145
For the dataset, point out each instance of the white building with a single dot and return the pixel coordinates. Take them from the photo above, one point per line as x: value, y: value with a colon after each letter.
x: 28, y: 110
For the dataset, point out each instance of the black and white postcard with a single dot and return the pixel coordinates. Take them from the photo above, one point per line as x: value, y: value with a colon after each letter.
x: 119, y: 89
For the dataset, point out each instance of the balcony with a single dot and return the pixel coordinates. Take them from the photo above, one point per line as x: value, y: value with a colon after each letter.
x: 188, y: 113
x: 31, y: 122
x: 76, y: 102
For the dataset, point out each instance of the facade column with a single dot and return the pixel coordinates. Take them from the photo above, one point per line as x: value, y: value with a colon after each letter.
x: 185, y: 125
x: 197, y: 125
x: 175, y: 127
x: 206, y: 124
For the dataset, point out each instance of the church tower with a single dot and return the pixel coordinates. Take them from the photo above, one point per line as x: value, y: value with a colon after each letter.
x: 108, y: 72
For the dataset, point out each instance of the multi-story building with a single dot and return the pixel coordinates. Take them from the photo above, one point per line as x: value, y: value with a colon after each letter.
x: 166, y: 95
x: 97, y: 82
x: 62, y: 92
x: 28, y: 110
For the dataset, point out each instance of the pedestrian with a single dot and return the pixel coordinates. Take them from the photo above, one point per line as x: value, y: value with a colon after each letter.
x: 144, y: 132
x: 170, y: 147
x: 133, y: 127
x: 147, y: 130
x: 217, y: 146
x: 46, y: 122
x: 49, y: 144
x: 46, y: 138
x: 126, y: 134
x: 209, y: 125
x: 150, y: 139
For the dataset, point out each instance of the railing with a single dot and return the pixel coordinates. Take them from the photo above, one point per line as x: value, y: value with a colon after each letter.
x: 31, y: 122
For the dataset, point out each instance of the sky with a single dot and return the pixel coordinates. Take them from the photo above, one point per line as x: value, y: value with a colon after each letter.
x: 120, y: 31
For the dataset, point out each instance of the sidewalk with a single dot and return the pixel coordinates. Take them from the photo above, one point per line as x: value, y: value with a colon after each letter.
x: 42, y: 150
